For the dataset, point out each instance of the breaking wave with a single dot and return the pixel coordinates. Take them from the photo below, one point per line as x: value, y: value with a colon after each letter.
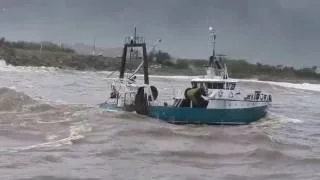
x: 75, y: 133
x: 45, y: 125
x: 301, y: 86
x: 10, y: 100
x: 10, y: 68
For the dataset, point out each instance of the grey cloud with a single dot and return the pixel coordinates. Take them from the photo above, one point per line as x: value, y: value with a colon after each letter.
x: 271, y: 31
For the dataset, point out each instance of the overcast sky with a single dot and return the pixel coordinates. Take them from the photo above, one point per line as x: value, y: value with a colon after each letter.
x: 268, y: 31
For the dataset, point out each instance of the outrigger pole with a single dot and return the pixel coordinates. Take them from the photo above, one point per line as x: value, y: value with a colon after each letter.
x: 130, y: 42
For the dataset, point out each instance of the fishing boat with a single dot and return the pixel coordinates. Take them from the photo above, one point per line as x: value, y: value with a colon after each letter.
x: 124, y: 89
x: 213, y: 99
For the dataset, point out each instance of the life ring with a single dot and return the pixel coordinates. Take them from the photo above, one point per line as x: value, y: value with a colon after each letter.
x: 154, y: 93
x: 141, y: 102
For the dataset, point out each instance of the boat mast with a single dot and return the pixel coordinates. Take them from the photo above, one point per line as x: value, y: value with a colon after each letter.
x: 213, y: 39
x: 213, y: 66
x: 131, y: 42
x: 140, y: 65
x: 216, y: 66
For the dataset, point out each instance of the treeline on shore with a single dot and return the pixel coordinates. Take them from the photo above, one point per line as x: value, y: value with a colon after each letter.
x: 28, y: 54
x: 49, y: 46
x: 52, y: 55
x: 240, y: 68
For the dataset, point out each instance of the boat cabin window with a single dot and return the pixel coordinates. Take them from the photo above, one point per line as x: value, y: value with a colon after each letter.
x: 200, y: 84
x: 214, y: 85
x: 231, y: 86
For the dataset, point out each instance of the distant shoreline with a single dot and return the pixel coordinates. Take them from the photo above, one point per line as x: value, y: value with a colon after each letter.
x: 28, y: 54
x: 167, y: 71
x: 182, y: 74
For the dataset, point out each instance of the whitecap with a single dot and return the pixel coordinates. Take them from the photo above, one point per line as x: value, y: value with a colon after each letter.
x: 301, y: 86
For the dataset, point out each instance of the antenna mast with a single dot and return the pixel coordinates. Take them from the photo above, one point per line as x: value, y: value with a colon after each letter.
x: 212, y: 40
x: 94, y: 47
x: 135, y: 34
x: 41, y: 47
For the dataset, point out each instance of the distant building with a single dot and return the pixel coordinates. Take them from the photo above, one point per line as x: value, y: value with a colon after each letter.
x: 317, y: 70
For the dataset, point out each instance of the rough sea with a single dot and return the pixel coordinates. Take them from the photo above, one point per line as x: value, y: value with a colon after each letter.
x: 51, y: 128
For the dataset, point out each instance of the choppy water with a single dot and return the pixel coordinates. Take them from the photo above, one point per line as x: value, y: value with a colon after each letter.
x: 51, y: 129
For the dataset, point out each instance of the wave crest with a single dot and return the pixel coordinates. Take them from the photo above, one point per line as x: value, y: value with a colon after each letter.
x: 11, y: 100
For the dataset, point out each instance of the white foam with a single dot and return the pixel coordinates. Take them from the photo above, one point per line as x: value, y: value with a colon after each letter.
x: 54, y: 122
x: 169, y: 77
x: 302, y: 86
x: 10, y: 68
x: 13, y: 87
x: 285, y: 119
x: 294, y: 120
x: 75, y: 133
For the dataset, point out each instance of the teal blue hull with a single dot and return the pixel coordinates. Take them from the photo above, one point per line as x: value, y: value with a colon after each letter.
x: 185, y: 115
x: 207, y: 116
